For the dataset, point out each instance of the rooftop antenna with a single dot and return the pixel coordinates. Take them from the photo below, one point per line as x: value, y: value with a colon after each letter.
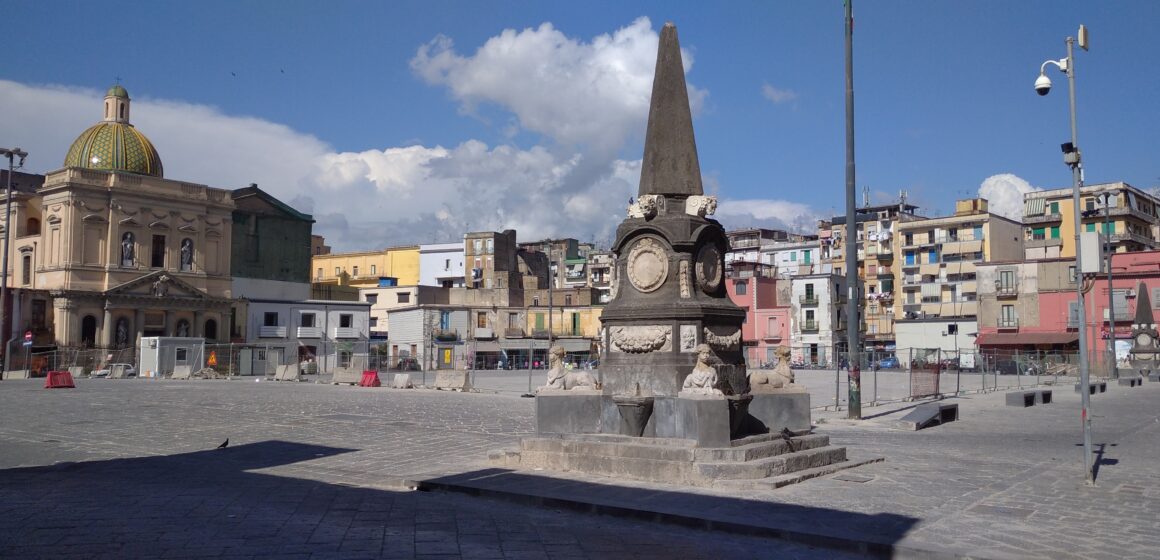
x: 865, y: 196
x: 902, y: 202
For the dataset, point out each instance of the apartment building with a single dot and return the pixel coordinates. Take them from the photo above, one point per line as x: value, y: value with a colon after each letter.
x: 816, y: 310
x: 441, y: 264
x: 364, y: 268
x: 939, y: 259
x: 757, y: 289
x: 1132, y: 219
x: 1027, y: 305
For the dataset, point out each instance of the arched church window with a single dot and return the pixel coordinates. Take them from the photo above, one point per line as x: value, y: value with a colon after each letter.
x: 210, y: 331
x: 32, y: 227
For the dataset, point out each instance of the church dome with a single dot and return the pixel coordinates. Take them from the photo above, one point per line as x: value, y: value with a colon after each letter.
x: 113, y: 144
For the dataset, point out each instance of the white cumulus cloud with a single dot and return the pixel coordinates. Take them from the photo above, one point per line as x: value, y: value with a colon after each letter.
x: 1004, y: 193
x: 768, y: 213
x: 778, y: 96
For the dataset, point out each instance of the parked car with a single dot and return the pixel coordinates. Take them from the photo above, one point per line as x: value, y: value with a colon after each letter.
x: 888, y: 363
x: 130, y: 371
x: 408, y: 364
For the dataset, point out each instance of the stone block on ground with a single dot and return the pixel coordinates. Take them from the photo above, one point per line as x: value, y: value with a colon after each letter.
x: 1094, y: 387
x: 1131, y: 381
x: 287, y: 373
x: 1021, y: 398
x: 576, y: 411
x: 701, y: 418
x: 346, y: 375
x: 771, y: 412
x: 117, y: 371
x: 76, y: 371
x: 929, y: 414
x: 182, y: 372
x: 453, y: 380
x: 1043, y: 396
x: 1154, y: 377
x: 17, y: 374
x: 402, y: 381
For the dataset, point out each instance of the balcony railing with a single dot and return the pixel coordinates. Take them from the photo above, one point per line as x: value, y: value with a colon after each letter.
x: 309, y: 332
x: 445, y: 335
x: 1036, y: 243
x: 809, y: 326
x: 1044, y: 219
x: 484, y: 333
x: 272, y: 332
x: 345, y: 332
x: 1006, y: 290
x: 1135, y: 237
x: 1008, y: 322
x: 513, y: 332
x: 809, y: 299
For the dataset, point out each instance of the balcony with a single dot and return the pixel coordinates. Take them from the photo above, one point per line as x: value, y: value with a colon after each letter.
x: 272, y: 332
x: 808, y: 299
x: 1036, y: 243
x: 1008, y: 323
x: 1133, y: 237
x: 345, y: 332
x: 910, y: 265
x: 884, y: 272
x: 484, y: 333
x: 1123, y: 211
x: 309, y: 332
x: 1044, y: 219
x: 1006, y: 290
x: 886, y: 255
x: 445, y: 335
x: 809, y: 326
x: 513, y: 332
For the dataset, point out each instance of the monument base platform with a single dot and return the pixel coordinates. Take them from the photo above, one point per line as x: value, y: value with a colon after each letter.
x: 1154, y: 377
x: 674, y: 460
x: 577, y: 411
x: 1131, y: 381
x: 776, y: 411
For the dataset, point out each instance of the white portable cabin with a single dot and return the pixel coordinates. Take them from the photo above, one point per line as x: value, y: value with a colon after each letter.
x: 160, y: 355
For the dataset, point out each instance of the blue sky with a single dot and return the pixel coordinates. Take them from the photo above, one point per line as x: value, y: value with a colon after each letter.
x: 396, y: 123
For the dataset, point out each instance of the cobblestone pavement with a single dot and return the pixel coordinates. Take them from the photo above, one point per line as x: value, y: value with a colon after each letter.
x: 129, y: 469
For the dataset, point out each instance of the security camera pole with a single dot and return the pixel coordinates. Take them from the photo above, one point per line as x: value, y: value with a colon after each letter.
x: 10, y: 154
x: 855, y: 374
x: 1071, y: 157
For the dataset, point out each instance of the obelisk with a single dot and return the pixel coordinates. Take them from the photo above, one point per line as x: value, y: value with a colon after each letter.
x: 668, y: 286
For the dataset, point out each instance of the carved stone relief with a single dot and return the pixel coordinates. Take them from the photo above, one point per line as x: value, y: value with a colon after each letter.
x: 641, y: 339
x: 709, y: 268
x: 647, y: 206
x: 688, y: 338
x: 683, y: 273
x: 648, y: 265
x: 723, y: 342
x: 701, y: 205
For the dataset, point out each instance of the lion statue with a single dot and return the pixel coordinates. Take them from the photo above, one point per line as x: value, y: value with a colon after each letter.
x: 703, y: 378
x: 781, y: 377
x: 561, y: 378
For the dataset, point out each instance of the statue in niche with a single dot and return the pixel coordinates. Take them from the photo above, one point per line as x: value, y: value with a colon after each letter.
x: 703, y: 379
x: 183, y: 328
x: 187, y: 254
x: 127, y: 249
x: 122, y: 339
x: 560, y: 377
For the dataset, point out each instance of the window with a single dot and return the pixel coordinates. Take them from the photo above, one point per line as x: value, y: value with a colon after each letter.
x: 158, y: 260
x: 372, y: 298
x: 32, y: 227
x: 1006, y: 280
x: 793, y: 256
x: 910, y: 257
x: 374, y: 270
x: 26, y: 269
x: 1089, y: 227
x: 909, y: 239
x: 338, y: 271
x: 932, y: 256
x: 270, y: 319
x: 809, y: 291
x: 567, y: 299
x: 446, y: 264
x: 374, y: 322
x: 354, y: 271
x: 513, y: 320
x: 481, y: 319
x: 809, y: 315
x: 1055, y: 232
x: 345, y: 321
x: 771, y: 326
x: 320, y: 273
x: 1089, y: 204
x: 182, y: 355
x: 740, y: 286
x: 1054, y: 208
x: 306, y: 320
x: 477, y: 245
x: 490, y: 246
x: 1037, y: 233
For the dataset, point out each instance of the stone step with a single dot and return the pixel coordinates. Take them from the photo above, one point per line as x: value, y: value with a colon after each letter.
x: 771, y: 466
x: 760, y: 449
x: 779, y: 481
x: 642, y: 449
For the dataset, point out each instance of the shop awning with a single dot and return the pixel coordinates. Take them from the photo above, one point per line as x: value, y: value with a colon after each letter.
x: 1020, y: 339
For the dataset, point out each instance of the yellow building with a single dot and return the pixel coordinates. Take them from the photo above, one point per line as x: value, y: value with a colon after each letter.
x: 365, y: 268
x: 1049, y: 219
x: 938, y: 258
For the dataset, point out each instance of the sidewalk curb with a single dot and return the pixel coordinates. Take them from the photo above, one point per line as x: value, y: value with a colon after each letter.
x: 867, y: 546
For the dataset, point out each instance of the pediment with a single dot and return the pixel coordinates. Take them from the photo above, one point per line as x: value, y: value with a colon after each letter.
x: 158, y: 224
x: 158, y: 284
x: 91, y: 218
x: 128, y: 222
x: 55, y: 219
x: 188, y: 227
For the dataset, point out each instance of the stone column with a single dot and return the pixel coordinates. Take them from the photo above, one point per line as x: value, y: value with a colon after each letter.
x: 169, y: 323
x: 198, y: 320
x: 63, y: 310
x: 107, y: 328
x: 139, y: 326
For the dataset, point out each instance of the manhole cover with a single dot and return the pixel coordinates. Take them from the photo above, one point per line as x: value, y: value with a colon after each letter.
x: 853, y: 478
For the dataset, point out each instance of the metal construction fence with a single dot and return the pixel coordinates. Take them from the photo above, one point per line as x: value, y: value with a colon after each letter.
x: 907, y: 374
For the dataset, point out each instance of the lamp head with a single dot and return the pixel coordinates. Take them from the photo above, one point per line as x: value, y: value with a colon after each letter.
x: 1042, y: 84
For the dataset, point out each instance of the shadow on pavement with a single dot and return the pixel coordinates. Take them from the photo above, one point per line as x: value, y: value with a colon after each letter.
x: 873, y: 534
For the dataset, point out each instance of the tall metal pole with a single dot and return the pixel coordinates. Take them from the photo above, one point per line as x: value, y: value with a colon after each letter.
x: 1077, y: 184
x: 1112, y: 367
x: 855, y: 374
x: 6, y: 334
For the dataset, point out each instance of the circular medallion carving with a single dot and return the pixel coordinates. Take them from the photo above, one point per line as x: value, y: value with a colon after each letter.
x: 709, y: 268
x: 648, y: 265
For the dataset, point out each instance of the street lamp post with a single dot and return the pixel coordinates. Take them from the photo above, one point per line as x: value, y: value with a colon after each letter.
x: 1071, y: 157
x: 1112, y: 367
x: 11, y: 154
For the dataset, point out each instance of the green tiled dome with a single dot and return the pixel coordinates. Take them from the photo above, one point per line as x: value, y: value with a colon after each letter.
x: 113, y: 146
x: 117, y: 91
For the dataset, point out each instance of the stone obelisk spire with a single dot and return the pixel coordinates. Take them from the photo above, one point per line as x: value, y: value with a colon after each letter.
x: 670, y: 153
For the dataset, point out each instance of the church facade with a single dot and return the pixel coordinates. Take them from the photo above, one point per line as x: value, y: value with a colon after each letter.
x: 108, y: 250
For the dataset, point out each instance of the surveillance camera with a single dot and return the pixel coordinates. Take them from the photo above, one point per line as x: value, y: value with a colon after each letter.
x: 1042, y: 84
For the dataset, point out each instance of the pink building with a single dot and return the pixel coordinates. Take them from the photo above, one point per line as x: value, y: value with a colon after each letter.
x: 753, y: 287
x: 1128, y: 270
